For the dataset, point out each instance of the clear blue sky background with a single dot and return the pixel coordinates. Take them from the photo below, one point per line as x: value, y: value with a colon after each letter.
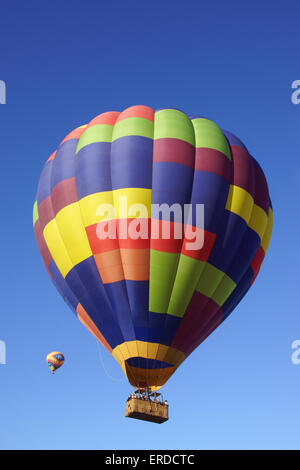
x: 63, y: 64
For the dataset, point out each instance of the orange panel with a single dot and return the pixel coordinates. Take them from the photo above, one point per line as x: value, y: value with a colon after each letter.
x: 135, y: 264
x: 90, y: 325
x: 110, y: 267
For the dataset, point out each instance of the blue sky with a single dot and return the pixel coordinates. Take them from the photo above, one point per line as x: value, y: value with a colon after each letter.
x: 64, y: 63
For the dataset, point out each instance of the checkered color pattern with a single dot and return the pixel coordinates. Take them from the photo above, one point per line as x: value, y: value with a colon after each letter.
x: 152, y: 301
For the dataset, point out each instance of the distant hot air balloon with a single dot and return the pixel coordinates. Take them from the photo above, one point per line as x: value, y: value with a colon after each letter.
x: 55, y: 360
x: 107, y: 223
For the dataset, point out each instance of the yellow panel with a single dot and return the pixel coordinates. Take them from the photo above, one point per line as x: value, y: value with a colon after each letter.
x: 268, y: 232
x: 142, y: 348
x: 73, y: 233
x: 170, y: 355
x: 125, y: 198
x: 92, y: 205
x: 240, y: 202
x: 151, y: 377
x: 116, y: 353
x: 120, y: 203
x: 150, y: 351
x: 258, y: 220
x: 57, y: 248
x: 127, y: 349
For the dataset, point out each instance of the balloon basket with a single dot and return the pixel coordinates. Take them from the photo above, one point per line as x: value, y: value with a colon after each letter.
x: 147, y: 407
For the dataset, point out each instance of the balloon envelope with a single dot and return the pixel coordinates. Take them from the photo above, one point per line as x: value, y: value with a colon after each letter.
x: 55, y: 360
x: 152, y: 226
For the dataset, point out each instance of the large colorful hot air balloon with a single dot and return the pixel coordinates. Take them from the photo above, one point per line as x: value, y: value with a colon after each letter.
x: 105, y: 202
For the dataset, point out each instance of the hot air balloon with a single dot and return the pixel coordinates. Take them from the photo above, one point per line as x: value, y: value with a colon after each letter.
x: 55, y: 360
x: 152, y: 225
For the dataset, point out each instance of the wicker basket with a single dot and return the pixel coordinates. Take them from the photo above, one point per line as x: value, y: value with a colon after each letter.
x: 147, y: 410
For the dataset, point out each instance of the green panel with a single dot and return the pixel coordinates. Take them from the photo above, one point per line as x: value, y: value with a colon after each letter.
x: 223, y: 291
x: 215, y: 284
x: 97, y: 133
x: 133, y: 126
x: 171, y: 123
x: 163, y: 267
x: 209, y: 280
x: 35, y: 213
x: 209, y: 135
x: 187, y: 277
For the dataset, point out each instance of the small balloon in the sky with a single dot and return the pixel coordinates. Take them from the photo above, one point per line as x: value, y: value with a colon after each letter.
x: 55, y: 360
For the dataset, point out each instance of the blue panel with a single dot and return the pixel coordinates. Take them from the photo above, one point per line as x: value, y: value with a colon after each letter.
x: 145, y: 363
x: 104, y: 318
x: 232, y: 139
x: 44, y: 186
x: 117, y: 294
x: 84, y: 279
x: 172, y: 183
x: 64, y: 163
x: 93, y: 169
x: 239, y: 292
x: 131, y: 162
x: 244, y: 255
x: 212, y: 191
x: 62, y: 286
x: 229, y: 236
x: 170, y: 328
x: 162, y: 327
x: 138, y: 296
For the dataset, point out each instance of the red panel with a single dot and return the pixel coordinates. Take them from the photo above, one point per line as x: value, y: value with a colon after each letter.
x: 75, y: 134
x: 261, y: 198
x: 174, y: 151
x: 45, y: 253
x: 137, y: 111
x: 101, y: 245
x: 243, y: 174
x: 63, y: 194
x: 203, y: 252
x: 215, y: 162
x: 165, y: 234
x: 257, y: 260
x: 105, y: 118
x: 51, y: 156
x: 196, y: 322
x: 46, y: 212
x: 181, y: 245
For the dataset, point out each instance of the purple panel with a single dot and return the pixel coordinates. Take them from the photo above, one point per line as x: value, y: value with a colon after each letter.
x: 131, y: 162
x: 93, y: 169
x: 195, y: 322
